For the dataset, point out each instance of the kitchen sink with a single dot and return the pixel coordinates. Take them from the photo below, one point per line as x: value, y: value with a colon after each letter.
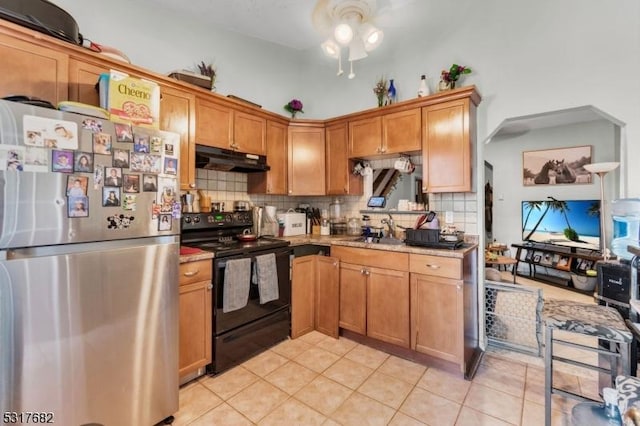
x: 384, y: 240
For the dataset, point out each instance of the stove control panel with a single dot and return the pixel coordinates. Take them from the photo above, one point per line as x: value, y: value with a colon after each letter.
x: 216, y: 220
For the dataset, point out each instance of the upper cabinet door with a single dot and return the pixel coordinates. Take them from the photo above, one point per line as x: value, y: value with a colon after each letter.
x: 340, y: 180
x: 365, y: 137
x: 248, y: 133
x: 275, y: 180
x: 177, y: 114
x: 31, y: 70
x: 214, y: 124
x: 401, y: 131
x: 306, y: 161
x: 82, y: 82
x: 448, y: 133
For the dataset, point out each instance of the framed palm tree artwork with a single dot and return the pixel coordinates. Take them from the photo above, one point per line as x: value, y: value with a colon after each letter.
x: 556, y: 166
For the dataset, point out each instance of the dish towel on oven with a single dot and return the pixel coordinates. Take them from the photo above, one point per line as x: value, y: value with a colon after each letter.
x: 266, y: 276
x: 237, y: 277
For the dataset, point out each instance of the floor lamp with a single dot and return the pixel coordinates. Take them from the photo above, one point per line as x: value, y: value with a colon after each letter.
x: 601, y: 169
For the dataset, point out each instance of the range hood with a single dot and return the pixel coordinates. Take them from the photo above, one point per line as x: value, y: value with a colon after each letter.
x: 226, y: 160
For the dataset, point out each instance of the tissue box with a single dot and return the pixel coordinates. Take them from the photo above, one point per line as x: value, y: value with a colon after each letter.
x: 294, y: 223
x: 129, y: 99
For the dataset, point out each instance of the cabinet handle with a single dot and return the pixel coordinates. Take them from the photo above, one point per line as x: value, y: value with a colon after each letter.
x: 335, y: 264
x: 192, y: 185
x: 290, y: 191
x: 459, y: 287
x: 432, y: 266
x: 191, y: 273
x: 209, y: 287
x: 378, y: 150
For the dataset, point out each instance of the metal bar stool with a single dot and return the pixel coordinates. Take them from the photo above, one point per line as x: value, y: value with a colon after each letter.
x: 602, y: 322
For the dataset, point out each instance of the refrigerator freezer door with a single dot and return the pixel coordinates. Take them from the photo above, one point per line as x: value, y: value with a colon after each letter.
x: 36, y: 203
x: 91, y: 336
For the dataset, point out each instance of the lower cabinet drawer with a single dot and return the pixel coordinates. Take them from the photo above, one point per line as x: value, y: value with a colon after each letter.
x: 192, y: 272
x: 438, y: 266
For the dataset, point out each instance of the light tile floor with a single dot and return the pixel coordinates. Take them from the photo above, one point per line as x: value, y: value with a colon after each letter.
x: 318, y: 380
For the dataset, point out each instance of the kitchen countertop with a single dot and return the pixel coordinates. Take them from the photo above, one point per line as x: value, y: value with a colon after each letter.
x: 347, y: 241
x: 192, y: 257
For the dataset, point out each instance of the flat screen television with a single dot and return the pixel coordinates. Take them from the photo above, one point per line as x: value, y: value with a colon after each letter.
x: 573, y: 223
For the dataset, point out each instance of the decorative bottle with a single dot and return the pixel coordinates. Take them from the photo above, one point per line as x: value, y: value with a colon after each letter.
x: 391, y: 93
x: 423, y: 90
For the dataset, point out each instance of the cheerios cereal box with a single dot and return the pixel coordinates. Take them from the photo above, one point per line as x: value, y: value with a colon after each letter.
x: 133, y: 100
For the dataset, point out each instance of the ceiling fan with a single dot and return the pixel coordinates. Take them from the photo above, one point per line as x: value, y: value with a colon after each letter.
x: 353, y: 24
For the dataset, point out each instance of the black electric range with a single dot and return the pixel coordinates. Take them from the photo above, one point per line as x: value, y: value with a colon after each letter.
x: 219, y: 233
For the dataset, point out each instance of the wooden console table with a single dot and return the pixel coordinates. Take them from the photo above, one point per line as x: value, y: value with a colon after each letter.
x: 567, y: 260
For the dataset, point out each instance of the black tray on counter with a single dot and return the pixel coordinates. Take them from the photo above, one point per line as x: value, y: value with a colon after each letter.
x: 451, y: 245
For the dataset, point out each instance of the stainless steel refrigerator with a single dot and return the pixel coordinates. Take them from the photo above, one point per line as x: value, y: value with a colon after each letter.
x: 88, y: 269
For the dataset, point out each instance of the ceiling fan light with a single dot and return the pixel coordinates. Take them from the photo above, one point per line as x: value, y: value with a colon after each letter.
x: 331, y: 48
x: 343, y: 33
x: 357, y: 50
x: 372, y: 36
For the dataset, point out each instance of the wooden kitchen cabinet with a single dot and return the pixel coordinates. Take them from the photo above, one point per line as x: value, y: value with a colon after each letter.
x: 374, y: 301
x: 388, y: 305
x: 32, y: 70
x: 391, y: 133
x: 436, y: 317
x: 302, y: 295
x: 195, y: 311
x: 447, y: 146
x: 314, y: 295
x: 340, y: 179
x: 365, y: 137
x: 274, y: 181
x: 83, y: 78
x: 221, y: 126
x: 444, y: 311
x: 353, y: 298
x: 306, y: 159
x: 177, y: 114
x: 402, y: 131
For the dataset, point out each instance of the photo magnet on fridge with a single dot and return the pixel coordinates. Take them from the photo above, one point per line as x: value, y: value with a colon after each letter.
x: 61, y: 161
x: 78, y: 206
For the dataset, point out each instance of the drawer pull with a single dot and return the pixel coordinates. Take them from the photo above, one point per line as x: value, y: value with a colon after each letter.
x: 209, y: 287
x: 432, y: 266
x: 191, y: 273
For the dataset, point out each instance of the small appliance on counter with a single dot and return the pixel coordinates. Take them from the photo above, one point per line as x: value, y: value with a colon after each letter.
x: 294, y: 223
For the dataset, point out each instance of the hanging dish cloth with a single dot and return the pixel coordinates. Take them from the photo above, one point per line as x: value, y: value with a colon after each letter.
x: 237, y: 276
x: 265, y: 275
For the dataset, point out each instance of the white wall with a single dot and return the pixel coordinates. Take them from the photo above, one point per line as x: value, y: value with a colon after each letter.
x: 508, y: 188
x: 528, y: 57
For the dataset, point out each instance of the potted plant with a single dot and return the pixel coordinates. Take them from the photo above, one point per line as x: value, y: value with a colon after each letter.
x: 210, y: 71
x: 448, y: 78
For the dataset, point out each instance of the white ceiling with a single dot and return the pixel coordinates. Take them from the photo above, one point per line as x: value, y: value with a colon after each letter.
x: 288, y: 22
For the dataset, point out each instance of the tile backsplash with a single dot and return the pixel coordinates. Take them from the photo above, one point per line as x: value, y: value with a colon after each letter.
x: 227, y: 187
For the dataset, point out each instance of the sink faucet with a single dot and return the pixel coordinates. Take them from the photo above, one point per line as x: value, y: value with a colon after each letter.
x: 391, y: 224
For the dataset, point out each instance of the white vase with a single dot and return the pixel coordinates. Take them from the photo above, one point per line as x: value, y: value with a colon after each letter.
x: 423, y: 89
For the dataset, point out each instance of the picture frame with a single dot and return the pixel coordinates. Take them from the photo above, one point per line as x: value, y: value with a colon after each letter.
x: 170, y: 165
x: 131, y: 183
x: 164, y: 222
x: 557, y: 166
x: 123, y: 132
x: 78, y: 206
x: 102, y: 143
x: 141, y: 143
x: 149, y: 183
x: 110, y: 196
x: 61, y: 161
x: 77, y: 185
x: 83, y: 162
x: 112, y: 176
x: 120, y: 158
x: 564, y: 263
